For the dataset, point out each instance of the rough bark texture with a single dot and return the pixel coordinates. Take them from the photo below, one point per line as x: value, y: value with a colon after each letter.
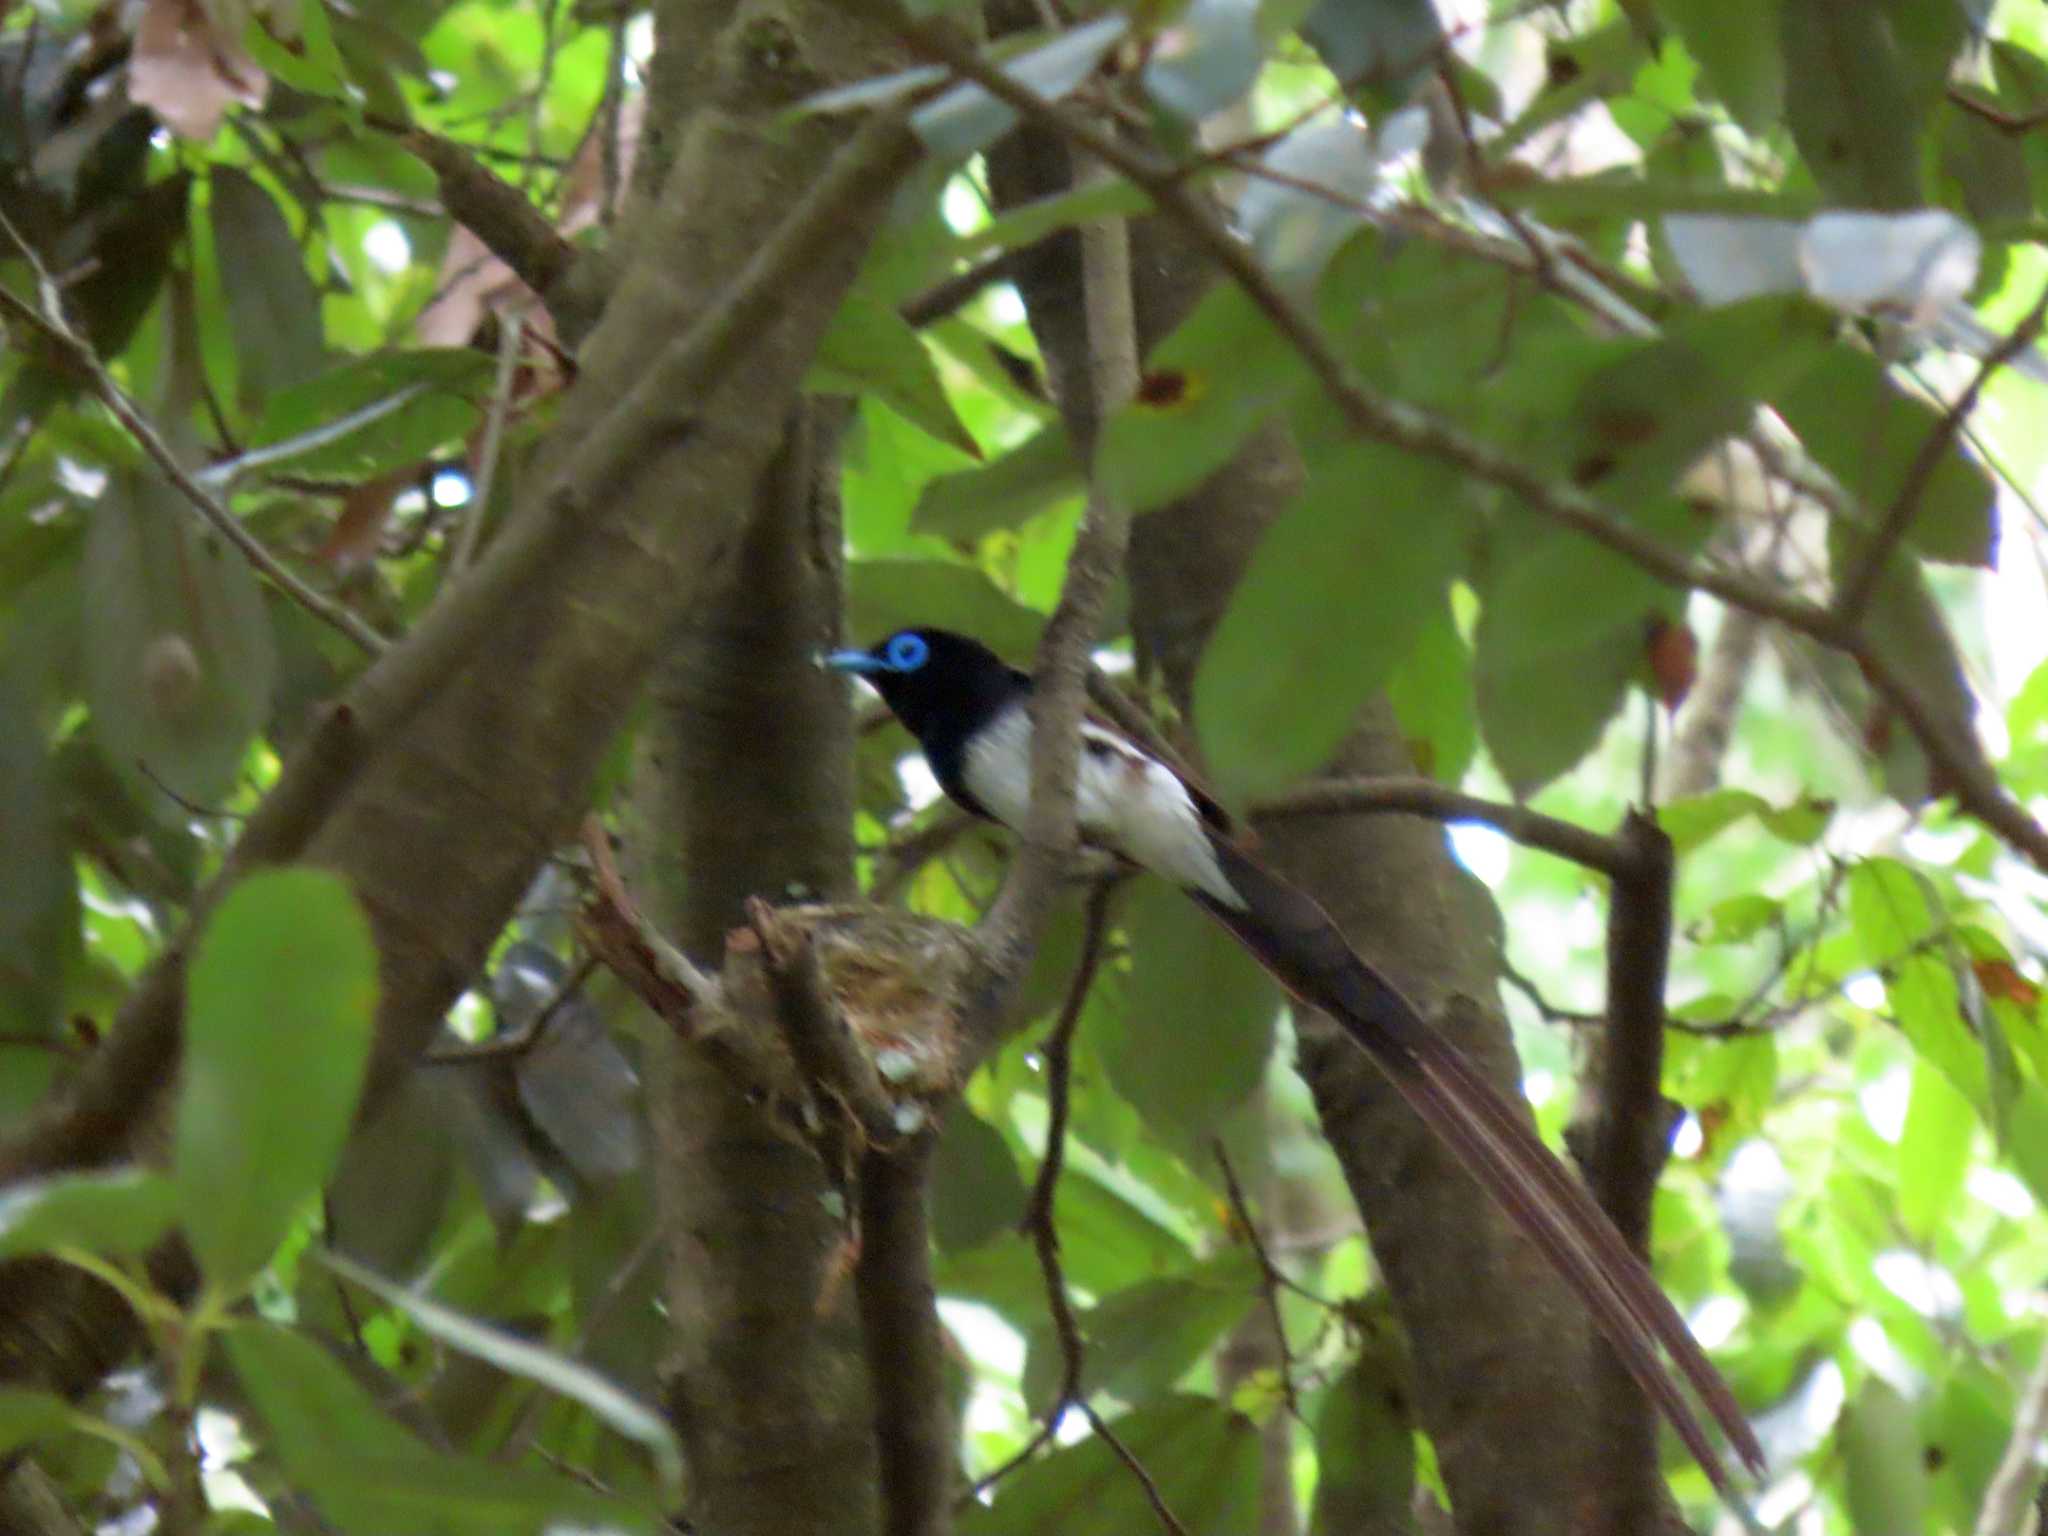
x: 1502, y: 1350
x: 744, y: 788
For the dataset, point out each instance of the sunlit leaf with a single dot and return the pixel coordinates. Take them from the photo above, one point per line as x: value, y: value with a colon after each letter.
x: 885, y: 595
x: 1884, y: 1469
x: 1203, y: 1459
x: 1365, y: 1451
x: 869, y: 346
x: 1036, y: 474
x: 277, y: 1034
x: 1934, y: 1152
x: 118, y: 1213
x: 1333, y: 601
x: 1193, y: 998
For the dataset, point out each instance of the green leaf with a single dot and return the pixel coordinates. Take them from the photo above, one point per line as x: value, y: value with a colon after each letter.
x: 116, y: 1214
x: 39, y: 936
x: 1850, y: 109
x: 1868, y: 434
x: 367, y: 1473
x: 1143, y: 1339
x: 976, y: 1191
x: 1365, y: 1452
x: 556, y: 1372
x: 1431, y: 691
x: 886, y: 595
x: 1205, y: 60
x: 27, y: 1416
x: 273, y: 307
x: 967, y: 117
x: 1213, y: 381
x: 1562, y: 629
x: 179, y: 658
x: 1736, y: 42
x: 1195, y: 999
x: 1380, y: 44
x: 1301, y: 613
x: 1884, y: 1464
x: 279, y: 1012
x: 1029, y: 223
x: 1691, y: 822
x: 1934, y: 1153
x: 1203, y: 1459
x: 1039, y: 473
x: 869, y: 346
x: 1107, y: 1241
x: 370, y: 415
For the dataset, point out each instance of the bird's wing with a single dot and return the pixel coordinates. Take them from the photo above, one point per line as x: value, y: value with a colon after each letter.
x: 1291, y: 936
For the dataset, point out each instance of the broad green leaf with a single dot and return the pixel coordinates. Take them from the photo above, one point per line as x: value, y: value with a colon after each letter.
x: 1934, y: 1153
x: 1693, y: 821
x: 1143, y: 1339
x: 1029, y: 223
x: 976, y: 1191
x: 179, y: 657
x: 370, y: 415
x: 1213, y: 381
x: 870, y: 347
x: 28, y: 1415
x: 39, y: 935
x: 1039, y: 473
x: 1868, y: 434
x: 1562, y: 630
x: 1193, y: 998
x: 278, y: 1016
x: 1736, y: 42
x: 886, y: 595
x: 1377, y: 44
x: 1203, y: 1459
x: 1849, y: 105
x: 118, y: 1213
x: 1206, y: 59
x: 1884, y: 1463
x: 556, y: 1372
x: 1336, y: 594
x: 395, y: 1176
x: 1365, y: 1452
x: 366, y: 1472
x: 967, y: 117
x: 273, y: 307
x: 1431, y: 691
x: 1106, y: 1241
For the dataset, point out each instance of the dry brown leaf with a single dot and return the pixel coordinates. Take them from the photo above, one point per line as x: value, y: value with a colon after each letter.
x: 187, y: 72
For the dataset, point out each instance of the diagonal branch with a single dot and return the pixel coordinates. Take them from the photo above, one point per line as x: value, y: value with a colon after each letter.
x: 1412, y: 430
x: 51, y: 322
x: 1854, y: 598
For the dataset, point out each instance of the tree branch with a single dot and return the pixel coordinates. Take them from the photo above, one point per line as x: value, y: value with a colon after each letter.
x: 1631, y: 1142
x: 915, y: 1434
x: 496, y: 211
x: 1439, y: 802
x: 1853, y: 599
x: 1412, y: 430
x: 51, y: 322
x: 2017, y: 1481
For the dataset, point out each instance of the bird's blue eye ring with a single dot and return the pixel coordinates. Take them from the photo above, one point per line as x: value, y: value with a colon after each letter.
x: 907, y: 653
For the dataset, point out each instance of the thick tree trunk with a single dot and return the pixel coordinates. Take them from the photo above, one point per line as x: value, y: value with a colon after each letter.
x: 744, y: 788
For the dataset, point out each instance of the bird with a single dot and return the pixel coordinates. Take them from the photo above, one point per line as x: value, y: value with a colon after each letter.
x: 969, y: 711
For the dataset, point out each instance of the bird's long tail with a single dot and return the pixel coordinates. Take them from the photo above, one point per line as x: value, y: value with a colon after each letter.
x: 1288, y: 933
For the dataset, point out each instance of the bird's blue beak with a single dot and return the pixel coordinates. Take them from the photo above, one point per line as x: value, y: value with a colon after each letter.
x: 854, y: 661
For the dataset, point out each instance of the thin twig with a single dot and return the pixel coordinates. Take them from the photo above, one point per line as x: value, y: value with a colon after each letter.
x: 1271, y: 1279
x: 51, y: 321
x: 1853, y: 601
x: 511, y: 326
x: 2017, y: 1481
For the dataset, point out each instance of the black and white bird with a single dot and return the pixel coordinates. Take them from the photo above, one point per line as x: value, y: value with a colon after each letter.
x: 970, y: 712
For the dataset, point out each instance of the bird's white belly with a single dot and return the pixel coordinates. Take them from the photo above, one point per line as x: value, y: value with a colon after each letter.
x: 1124, y: 801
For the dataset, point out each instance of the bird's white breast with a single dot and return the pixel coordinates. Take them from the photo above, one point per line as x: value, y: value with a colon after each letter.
x: 1124, y: 800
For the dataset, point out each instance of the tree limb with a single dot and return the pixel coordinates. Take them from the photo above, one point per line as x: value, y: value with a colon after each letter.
x: 1440, y: 802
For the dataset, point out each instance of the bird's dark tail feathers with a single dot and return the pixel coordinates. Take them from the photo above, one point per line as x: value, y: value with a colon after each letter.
x: 1289, y: 934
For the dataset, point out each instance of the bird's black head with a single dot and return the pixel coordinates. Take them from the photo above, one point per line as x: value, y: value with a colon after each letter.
x: 942, y: 686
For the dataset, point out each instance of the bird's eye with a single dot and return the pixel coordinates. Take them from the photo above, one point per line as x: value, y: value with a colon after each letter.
x: 908, y: 652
